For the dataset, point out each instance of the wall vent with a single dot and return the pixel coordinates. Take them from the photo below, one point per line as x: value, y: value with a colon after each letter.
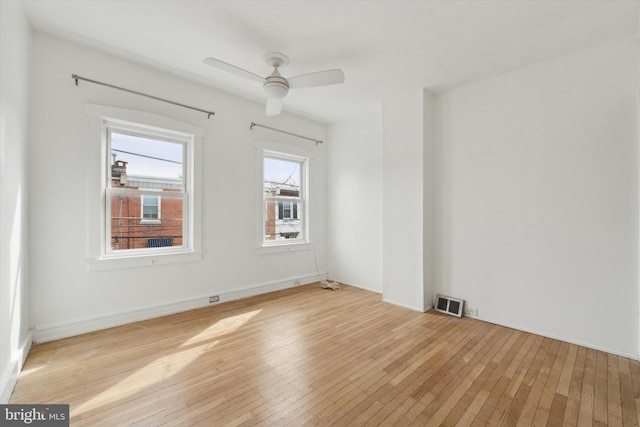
x: 453, y: 306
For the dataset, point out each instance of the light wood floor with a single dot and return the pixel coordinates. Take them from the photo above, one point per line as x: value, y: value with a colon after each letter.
x: 307, y: 356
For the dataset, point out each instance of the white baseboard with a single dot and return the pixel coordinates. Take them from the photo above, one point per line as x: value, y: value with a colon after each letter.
x: 533, y: 331
x: 54, y: 331
x: 410, y: 307
x: 10, y: 376
x: 358, y: 286
x: 559, y: 338
x: 399, y: 304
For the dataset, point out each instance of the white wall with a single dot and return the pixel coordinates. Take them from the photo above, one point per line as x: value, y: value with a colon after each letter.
x: 638, y: 162
x: 403, y: 204
x: 355, y: 201
x: 537, y: 201
x: 68, y: 299
x: 428, y: 195
x: 15, y: 338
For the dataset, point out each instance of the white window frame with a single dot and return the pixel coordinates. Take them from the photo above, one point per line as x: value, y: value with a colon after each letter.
x: 99, y: 255
x: 284, y: 152
x: 154, y: 133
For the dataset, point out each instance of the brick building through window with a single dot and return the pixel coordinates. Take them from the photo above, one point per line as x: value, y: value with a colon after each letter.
x: 151, y: 220
x: 283, y: 217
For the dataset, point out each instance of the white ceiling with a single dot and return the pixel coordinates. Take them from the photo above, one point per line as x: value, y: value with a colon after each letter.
x: 382, y: 46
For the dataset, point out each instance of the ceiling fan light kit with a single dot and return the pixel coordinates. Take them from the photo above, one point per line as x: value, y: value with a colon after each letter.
x: 276, y: 87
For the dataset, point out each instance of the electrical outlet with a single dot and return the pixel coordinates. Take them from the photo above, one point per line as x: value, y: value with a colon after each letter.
x: 470, y: 311
x: 215, y: 298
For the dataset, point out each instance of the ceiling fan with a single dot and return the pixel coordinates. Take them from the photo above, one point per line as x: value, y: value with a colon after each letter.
x: 275, y: 86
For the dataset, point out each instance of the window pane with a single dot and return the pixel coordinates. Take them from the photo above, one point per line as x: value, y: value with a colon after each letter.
x: 286, y: 210
x: 282, y: 177
x: 145, y: 162
x: 283, y: 195
x: 282, y: 220
x: 150, y: 207
x: 129, y: 230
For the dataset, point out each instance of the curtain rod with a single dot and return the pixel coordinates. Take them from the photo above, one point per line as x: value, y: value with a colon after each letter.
x: 77, y: 77
x: 317, y: 141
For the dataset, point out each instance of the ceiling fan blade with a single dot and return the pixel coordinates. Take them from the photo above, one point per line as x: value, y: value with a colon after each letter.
x: 221, y: 65
x: 274, y: 106
x: 319, y: 78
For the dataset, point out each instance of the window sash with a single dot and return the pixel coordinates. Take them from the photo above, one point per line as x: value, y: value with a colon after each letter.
x: 268, y: 194
x: 271, y: 236
x: 155, y: 134
x: 112, y: 193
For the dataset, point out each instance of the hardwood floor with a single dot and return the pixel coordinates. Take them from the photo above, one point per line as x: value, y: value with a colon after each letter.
x: 308, y: 356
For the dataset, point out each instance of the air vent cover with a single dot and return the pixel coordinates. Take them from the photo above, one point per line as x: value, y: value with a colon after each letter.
x: 453, y: 306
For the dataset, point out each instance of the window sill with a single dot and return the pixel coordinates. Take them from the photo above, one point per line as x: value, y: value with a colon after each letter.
x: 116, y: 263
x: 150, y: 221
x: 284, y: 247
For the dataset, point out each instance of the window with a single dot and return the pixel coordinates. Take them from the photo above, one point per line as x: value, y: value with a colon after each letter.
x: 283, y: 192
x: 150, y: 209
x: 287, y: 210
x: 145, y: 201
x: 143, y: 163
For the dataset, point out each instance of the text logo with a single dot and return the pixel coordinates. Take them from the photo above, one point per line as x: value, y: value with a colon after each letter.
x: 34, y: 415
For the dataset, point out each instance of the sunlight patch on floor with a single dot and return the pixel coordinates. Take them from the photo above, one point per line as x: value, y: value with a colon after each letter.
x: 166, y: 366
x: 29, y: 371
x: 154, y: 372
x: 222, y: 327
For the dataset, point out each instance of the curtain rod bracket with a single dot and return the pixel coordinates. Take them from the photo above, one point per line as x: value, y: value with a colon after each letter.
x: 317, y: 141
x: 77, y: 77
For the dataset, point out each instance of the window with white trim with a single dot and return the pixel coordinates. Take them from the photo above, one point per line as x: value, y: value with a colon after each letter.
x: 115, y: 183
x: 147, y: 208
x: 288, y: 210
x: 284, y: 198
x: 151, y: 207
